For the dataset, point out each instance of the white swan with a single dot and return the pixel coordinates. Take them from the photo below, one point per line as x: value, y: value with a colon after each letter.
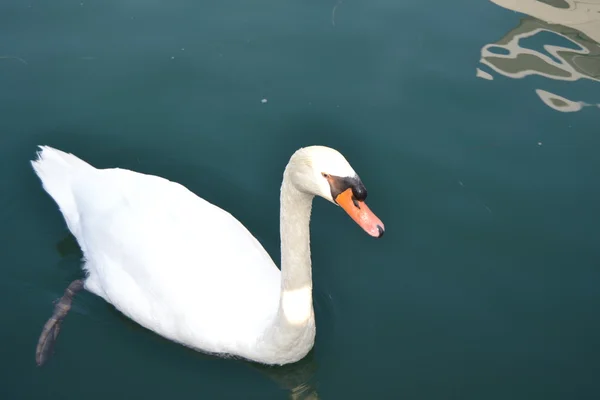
x: 188, y: 270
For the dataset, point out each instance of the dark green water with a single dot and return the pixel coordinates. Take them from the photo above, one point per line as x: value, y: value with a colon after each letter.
x: 485, y: 285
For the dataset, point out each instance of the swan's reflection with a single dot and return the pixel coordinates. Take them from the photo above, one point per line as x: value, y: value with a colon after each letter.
x: 574, y: 20
x: 296, y: 378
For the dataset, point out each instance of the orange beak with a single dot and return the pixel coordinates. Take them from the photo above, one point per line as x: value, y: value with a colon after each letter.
x: 360, y: 213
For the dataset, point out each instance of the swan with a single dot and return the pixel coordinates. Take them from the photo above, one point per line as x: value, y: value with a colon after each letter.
x: 190, y: 271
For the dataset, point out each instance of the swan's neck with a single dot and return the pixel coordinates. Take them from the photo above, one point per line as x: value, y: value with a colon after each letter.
x: 291, y: 333
x: 296, y: 272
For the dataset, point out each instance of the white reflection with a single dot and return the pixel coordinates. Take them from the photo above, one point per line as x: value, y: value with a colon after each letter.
x: 559, y: 103
x: 574, y: 20
x: 484, y: 75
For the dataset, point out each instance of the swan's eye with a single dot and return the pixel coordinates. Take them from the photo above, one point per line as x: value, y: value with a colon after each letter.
x: 325, y: 175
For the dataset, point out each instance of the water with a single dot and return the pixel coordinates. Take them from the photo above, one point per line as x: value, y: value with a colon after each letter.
x: 474, y: 128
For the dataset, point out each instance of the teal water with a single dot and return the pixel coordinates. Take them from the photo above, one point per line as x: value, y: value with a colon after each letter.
x: 474, y: 128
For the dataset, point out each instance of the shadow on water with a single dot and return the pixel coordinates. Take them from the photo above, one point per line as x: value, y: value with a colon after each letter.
x: 296, y: 379
x: 574, y: 22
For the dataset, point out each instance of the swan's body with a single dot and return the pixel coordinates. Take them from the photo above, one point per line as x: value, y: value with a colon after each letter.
x: 188, y: 270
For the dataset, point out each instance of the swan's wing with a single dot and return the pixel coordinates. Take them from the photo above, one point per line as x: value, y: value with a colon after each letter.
x: 146, y: 236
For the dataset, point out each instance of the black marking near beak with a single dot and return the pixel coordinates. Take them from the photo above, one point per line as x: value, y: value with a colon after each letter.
x: 341, y: 184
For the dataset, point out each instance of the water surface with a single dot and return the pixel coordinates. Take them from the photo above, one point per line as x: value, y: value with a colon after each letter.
x: 474, y: 126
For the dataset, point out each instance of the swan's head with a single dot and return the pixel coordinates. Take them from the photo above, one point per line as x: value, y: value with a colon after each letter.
x: 323, y: 171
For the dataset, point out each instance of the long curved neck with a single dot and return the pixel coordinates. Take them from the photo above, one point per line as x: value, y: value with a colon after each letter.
x: 296, y: 271
x: 290, y: 335
x: 294, y: 229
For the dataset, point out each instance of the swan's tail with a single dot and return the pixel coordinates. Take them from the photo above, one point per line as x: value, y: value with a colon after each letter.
x: 57, y: 170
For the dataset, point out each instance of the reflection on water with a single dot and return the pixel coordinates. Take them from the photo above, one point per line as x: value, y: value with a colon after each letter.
x: 560, y: 103
x: 576, y: 21
x: 297, y: 378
